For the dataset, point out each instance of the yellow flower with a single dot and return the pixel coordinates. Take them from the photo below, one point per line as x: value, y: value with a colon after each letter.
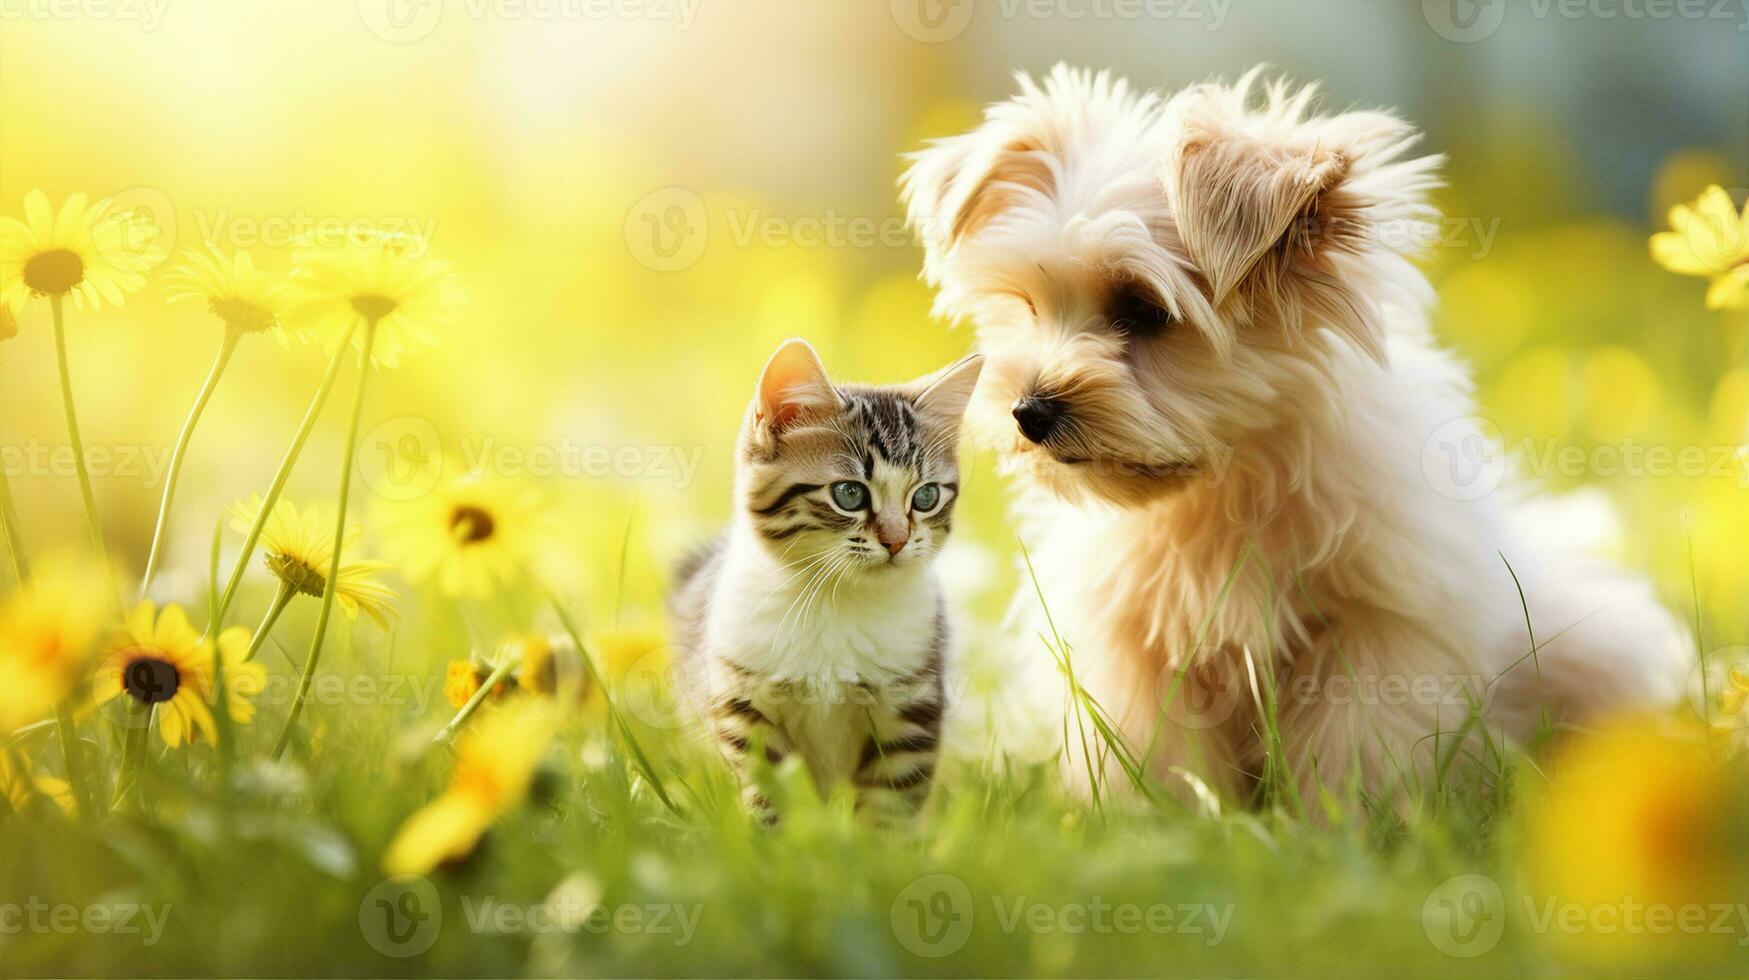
x: 8, y: 319
x: 18, y: 785
x: 472, y: 534
x: 549, y: 668
x: 48, y: 630
x: 244, y: 680
x: 495, y: 762
x: 85, y: 251
x: 1638, y: 813
x: 388, y: 279
x: 1711, y: 239
x: 159, y: 660
x: 247, y: 299
x: 463, y: 679
x: 299, y: 547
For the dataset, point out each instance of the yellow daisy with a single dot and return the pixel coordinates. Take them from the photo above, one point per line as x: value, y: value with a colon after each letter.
x: 1709, y: 238
x: 246, y: 299
x: 85, y: 251
x: 48, y: 630
x: 385, y: 279
x: 1637, y: 811
x: 462, y: 680
x: 244, y: 681
x: 552, y: 668
x: 298, y: 548
x: 160, y: 660
x: 471, y: 534
x: 495, y: 763
x: 8, y: 318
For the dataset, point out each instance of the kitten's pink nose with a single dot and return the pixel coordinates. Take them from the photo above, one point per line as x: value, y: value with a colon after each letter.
x: 894, y: 543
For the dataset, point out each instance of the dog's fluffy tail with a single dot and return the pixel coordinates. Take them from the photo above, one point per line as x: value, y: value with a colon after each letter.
x: 1604, y: 644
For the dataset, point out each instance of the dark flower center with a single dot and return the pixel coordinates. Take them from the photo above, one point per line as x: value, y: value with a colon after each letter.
x: 150, y: 680
x: 242, y: 316
x: 373, y: 308
x: 54, y: 272
x: 297, y: 574
x: 471, y: 524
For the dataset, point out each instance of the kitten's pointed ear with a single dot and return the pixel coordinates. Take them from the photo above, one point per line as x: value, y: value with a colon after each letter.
x: 793, y: 385
x: 944, y: 394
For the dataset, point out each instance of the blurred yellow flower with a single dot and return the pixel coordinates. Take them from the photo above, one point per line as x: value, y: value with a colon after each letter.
x: 159, y: 660
x: 244, y: 681
x: 495, y: 763
x: 552, y: 668
x: 298, y: 548
x: 247, y: 299
x: 1638, y: 814
x: 8, y: 319
x: 18, y: 785
x: 85, y: 251
x: 48, y: 630
x: 471, y: 534
x: 462, y: 681
x: 1711, y: 239
x: 386, y: 279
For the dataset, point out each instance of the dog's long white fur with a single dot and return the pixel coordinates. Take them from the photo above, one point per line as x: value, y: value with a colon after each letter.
x: 1281, y: 426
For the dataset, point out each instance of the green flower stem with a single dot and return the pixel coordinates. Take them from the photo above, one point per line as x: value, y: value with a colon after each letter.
x: 496, y: 677
x: 14, y: 541
x: 278, y: 485
x: 333, y: 580
x: 286, y: 591
x: 14, y: 537
x: 72, y: 754
x: 77, y: 443
x: 227, y: 347
x: 133, y: 753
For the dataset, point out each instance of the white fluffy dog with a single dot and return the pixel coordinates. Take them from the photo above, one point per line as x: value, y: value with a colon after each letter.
x: 1209, y: 365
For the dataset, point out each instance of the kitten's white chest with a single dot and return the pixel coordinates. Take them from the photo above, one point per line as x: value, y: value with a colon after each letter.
x: 869, y: 629
x: 820, y: 661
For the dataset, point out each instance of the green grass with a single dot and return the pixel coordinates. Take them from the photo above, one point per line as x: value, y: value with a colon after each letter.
x: 275, y: 870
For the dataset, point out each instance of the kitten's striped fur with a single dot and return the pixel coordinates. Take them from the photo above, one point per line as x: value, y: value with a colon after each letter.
x: 817, y: 629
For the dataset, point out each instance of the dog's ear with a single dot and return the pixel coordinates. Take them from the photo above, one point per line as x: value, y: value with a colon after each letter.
x: 793, y: 387
x: 1269, y: 201
x: 959, y: 184
x: 1237, y: 199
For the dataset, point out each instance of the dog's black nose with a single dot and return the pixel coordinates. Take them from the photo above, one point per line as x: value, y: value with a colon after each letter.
x: 1038, y: 417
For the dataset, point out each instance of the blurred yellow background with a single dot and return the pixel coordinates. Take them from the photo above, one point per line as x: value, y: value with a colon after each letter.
x: 642, y: 199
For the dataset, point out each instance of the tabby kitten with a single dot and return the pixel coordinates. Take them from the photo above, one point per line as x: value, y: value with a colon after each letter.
x: 815, y: 623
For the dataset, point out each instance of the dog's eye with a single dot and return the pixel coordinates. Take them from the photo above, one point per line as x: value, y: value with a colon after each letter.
x: 1135, y: 312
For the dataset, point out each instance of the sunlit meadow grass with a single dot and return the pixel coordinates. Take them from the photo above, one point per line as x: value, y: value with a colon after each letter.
x: 267, y: 844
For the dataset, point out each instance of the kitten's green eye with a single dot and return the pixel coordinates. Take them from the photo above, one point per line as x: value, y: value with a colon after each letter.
x: 926, y: 497
x: 849, y: 495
